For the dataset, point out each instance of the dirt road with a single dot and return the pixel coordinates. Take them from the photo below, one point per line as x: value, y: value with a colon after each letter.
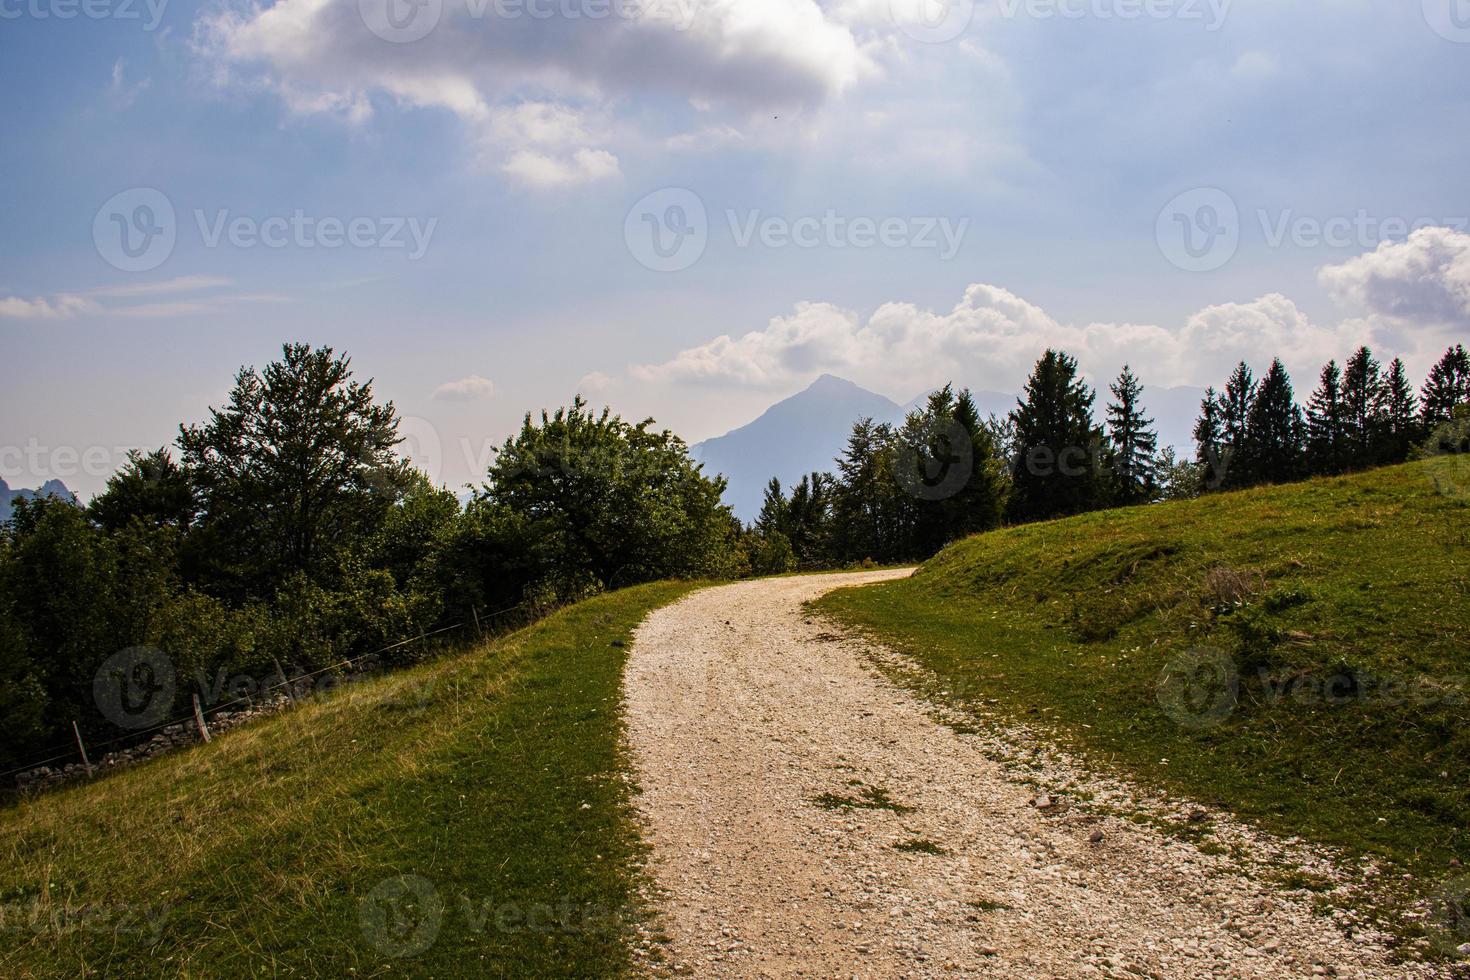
x: 808, y: 817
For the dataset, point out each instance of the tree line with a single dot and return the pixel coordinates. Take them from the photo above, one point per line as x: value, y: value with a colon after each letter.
x: 286, y: 532
x: 899, y: 493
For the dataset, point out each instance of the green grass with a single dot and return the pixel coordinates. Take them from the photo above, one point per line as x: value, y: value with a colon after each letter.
x: 867, y: 798
x: 468, y: 816
x: 1070, y: 626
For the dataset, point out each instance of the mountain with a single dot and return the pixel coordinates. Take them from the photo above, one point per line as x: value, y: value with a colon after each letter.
x: 791, y: 438
x: 51, y: 488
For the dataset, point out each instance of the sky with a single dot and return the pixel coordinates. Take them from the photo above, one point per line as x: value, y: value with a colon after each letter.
x: 689, y: 209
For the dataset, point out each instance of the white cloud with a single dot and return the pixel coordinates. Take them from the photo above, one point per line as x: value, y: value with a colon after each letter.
x: 992, y: 338
x: 178, y: 284
x: 541, y: 170
x: 746, y: 56
x: 465, y: 389
x: 1424, y: 280
x: 594, y: 381
x: 60, y: 306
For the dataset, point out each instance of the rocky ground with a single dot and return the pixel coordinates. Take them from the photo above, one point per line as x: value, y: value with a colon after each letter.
x: 810, y: 817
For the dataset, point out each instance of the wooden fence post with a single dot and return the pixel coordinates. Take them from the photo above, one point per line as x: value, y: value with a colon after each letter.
x: 199, y: 720
x: 78, y: 733
x: 478, y: 630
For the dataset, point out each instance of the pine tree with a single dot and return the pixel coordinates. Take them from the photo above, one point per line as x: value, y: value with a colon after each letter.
x: 772, y: 516
x: 1235, y: 410
x: 1134, y: 442
x: 1448, y: 386
x: 1361, y: 387
x: 1208, y: 441
x: 1055, y: 471
x: 1325, y: 435
x: 1400, y: 428
x: 1276, y: 434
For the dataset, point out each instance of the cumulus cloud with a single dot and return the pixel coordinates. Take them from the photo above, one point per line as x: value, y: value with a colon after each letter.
x: 482, y: 58
x: 1424, y: 279
x: 991, y: 339
x: 465, y: 389
x: 61, y: 306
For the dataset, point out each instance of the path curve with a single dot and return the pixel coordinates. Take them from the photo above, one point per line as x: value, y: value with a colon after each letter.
x: 743, y: 711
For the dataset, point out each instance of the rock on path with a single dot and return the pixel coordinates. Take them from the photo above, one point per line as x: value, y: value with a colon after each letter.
x: 779, y: 770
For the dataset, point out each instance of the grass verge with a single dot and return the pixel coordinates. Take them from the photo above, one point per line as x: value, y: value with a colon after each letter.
x: 467, y: 816
x: 1299, y: 655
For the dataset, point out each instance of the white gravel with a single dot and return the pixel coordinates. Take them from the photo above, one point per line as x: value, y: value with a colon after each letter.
x: 743, y: 711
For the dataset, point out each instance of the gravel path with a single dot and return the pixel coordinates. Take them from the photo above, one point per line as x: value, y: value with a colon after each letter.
x: 751, y: 723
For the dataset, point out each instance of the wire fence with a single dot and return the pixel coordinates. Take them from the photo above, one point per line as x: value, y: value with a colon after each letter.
x: 75, y: 752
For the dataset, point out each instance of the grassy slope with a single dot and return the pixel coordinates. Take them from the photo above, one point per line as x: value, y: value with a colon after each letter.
x: 1069, y: 624
x: 494, y: 776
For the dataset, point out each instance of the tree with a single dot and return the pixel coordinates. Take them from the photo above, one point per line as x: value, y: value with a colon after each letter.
x: 1209, y: 454
x: 1056, y: 470
x: 1448, y: 385
x: 1275, y: 437
x: 1362, y: 386
x: 1133, y: 442
x: 1326, y: 433
x: 864, y: 519
x: 297, y: 466
x: 608, y: 503
x: 1235, y: 409
x: 153, y: 489
x: 1398, y: 411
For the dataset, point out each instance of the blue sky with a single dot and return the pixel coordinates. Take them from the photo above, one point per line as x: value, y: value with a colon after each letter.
x: 1064, y: 147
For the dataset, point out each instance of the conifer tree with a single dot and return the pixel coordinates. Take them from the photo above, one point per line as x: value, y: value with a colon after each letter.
x: 1134, y: 443
x: 1235, y: 409
x: 1056, y: 469
x: 1326, y: 438
x: 1400, y: 428
x: 1361, y: 387
x: 1274, y: 446
x: 1208, y: 441
x: 1448, y: 385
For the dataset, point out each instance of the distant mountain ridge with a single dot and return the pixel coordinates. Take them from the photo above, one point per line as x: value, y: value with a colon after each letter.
x: 807, y: 432
x: 51, y: 488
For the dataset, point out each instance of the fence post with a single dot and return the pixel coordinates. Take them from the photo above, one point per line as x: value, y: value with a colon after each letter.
x: 478, y: 630
x: 199, y: 720
x: 78, y: 733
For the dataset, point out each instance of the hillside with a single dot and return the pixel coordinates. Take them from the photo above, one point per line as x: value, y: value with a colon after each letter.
x: 468, y: 815
x: 1341, y: 605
